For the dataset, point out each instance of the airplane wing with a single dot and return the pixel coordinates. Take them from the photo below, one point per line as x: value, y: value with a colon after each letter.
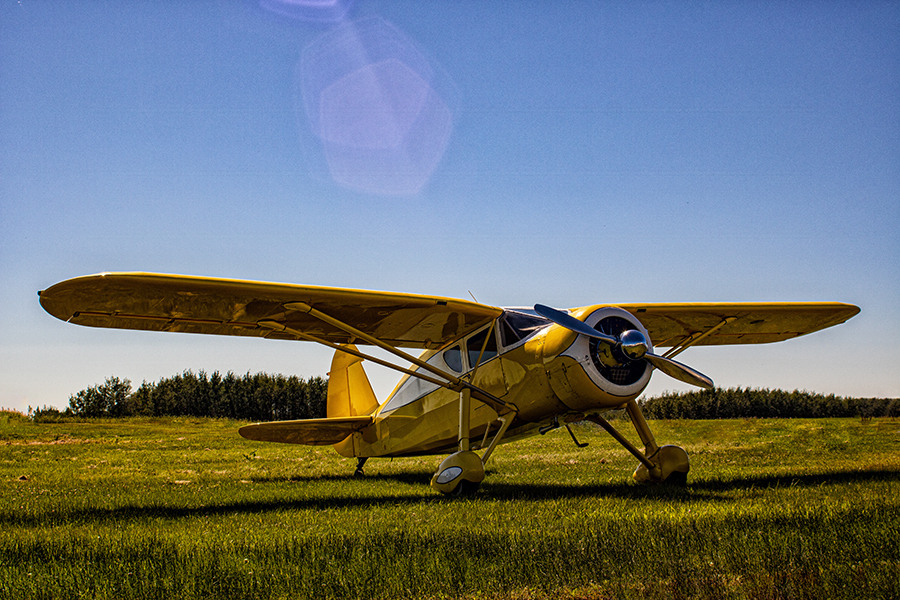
x: 736, y: 323
x: 311, y: 432
x: 186, y: 304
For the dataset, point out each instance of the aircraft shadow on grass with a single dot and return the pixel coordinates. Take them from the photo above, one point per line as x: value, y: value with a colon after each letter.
x: 700, y: 491
x: 622, y: 488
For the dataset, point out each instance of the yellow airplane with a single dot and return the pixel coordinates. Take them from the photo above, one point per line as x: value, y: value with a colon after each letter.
x: 488, y: 375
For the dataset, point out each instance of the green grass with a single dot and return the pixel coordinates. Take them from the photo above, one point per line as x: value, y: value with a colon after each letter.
x: 185, y: 508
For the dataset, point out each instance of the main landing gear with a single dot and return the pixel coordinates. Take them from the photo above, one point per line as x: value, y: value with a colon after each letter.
x: 463, y: 471
x: 459, y: 474
x: 673, y: 466
x: 666, y: 464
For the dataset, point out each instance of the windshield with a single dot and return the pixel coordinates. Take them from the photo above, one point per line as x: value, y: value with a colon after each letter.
x: 518, y: 324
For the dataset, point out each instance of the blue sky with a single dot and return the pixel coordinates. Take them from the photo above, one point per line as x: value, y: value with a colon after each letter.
x: 567, y: 153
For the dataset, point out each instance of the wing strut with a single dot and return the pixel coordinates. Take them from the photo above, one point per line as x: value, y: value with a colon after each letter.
x: 276, y: 326
x: 696, y: 337
x: 452, y: 382
x: 306, y: 308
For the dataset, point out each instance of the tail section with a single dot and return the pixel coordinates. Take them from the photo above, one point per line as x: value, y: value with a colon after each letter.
x: 349, y: 393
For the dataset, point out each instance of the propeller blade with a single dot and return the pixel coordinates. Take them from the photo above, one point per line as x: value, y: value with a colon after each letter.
x: 679, y: 371
x: 573, y: 324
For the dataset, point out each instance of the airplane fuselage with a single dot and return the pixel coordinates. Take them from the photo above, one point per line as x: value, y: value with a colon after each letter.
x: 548, y: 376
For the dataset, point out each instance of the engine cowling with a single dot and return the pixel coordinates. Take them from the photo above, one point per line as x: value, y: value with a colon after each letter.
x: 587, y: 373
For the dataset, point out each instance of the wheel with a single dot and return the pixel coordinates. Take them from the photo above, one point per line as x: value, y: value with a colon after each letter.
x: 459, y: 473
x: 676, y: 478
x: 673, y: 467
x: 465, y: 488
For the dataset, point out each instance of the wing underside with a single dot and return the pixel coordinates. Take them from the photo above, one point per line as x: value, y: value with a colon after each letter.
x: 736, y: 323
x: 185, y: 304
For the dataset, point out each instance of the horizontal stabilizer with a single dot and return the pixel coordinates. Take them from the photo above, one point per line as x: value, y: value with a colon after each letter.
x: 312, y: 432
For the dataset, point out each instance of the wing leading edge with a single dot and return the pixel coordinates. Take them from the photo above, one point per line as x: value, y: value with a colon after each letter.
x: 186, y: 304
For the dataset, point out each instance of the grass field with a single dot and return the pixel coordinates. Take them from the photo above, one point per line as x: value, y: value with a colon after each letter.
x: 181, y: 508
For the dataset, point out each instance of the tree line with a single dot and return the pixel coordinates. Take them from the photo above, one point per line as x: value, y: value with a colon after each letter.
x: 259, y: 397
x: 742, y: 403
x: 264, y: 397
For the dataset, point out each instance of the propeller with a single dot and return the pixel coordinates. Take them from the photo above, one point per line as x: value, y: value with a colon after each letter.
x: 632, y: 343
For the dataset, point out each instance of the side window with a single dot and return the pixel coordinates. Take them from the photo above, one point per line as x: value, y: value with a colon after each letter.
x: 414, y: 388
x: 474, y: 344
x: 453, y: 358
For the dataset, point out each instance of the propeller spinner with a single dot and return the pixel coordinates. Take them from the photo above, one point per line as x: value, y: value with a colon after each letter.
x: 631, y: 343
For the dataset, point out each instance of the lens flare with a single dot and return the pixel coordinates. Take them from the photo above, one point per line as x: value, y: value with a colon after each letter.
x: 373, y: 100
x: 322, y: 11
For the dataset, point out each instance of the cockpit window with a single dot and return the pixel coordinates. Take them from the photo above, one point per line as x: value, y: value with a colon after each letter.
x: 414, y: 387
x: 453, y: 358
x: 474, y: 344
x: 516, y: 325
